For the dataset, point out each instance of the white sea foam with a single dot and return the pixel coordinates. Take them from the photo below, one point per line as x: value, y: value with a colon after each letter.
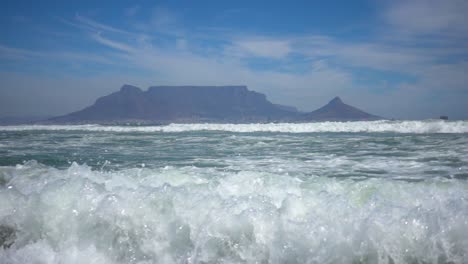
x: 428, y: 126
x: 194, y: 215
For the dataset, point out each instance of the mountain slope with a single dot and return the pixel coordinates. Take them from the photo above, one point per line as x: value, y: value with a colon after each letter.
x: 181, y: 104
x: 336, y: 110
x: 197, y: 104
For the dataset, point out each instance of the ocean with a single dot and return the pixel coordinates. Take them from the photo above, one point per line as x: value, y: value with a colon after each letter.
x: 327, y: 192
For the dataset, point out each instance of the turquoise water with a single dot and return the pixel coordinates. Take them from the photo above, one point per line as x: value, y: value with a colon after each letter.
x: 357, y: 192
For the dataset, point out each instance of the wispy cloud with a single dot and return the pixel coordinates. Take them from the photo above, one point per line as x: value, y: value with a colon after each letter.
x: 421, y: 17
x: 328, y: 70
x: 161, y: 21
x: 268, y: 48
x: 15, y: 53
x: 9, y: 53
x: 111, y: 43
x: 92, y: 24
x: 305, y: 69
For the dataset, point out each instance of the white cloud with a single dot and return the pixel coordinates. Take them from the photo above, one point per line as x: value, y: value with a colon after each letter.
x: 429, y: 16
x: 268, y: 48
x: 96, y: 26
x: 183, y: 59
x: 15, y: 53
x: 445, y: 77
x: 111, y: 43
x: 382, y: 57
x: 181, y: 65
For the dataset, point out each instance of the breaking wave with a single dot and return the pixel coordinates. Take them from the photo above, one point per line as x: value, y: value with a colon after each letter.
x: 419, y: 127
x: 200, y: 215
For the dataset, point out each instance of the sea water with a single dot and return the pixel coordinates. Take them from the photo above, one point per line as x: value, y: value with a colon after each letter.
x: 331, y: 192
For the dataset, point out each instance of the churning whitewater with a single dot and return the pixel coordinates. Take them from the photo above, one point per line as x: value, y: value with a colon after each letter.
x: 331, y: 192
x: 429, y: 126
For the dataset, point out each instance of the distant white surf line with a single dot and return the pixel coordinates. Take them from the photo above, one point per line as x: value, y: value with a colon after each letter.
x: 419, y: 127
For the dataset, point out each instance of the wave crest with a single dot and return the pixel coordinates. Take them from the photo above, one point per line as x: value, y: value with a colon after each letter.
x: 174, y: 215
x: 382, y: 126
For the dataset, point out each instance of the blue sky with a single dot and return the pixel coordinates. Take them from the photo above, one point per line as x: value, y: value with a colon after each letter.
x: 400, y: 59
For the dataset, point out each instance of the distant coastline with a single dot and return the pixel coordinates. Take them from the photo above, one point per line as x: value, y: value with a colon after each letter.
x: 161, y: 105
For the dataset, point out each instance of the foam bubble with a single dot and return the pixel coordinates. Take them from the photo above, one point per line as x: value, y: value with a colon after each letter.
x: 179, y: 215
x: 428, y: 126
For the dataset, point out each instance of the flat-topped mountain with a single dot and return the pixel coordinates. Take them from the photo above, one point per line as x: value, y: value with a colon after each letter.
x: 182, y: 104
x: 195, y: 104
x: 336, y: 110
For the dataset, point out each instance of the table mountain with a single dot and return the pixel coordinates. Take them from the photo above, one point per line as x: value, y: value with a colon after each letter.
x: 195, y: 104
x: 182, y: 104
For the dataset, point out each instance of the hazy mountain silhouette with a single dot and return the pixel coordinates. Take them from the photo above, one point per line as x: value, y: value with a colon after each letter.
x: 339, y: 111
x: 194, y: 104
x: 182, y: 104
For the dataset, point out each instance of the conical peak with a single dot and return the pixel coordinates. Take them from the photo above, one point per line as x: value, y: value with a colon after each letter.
x: 336, y: 100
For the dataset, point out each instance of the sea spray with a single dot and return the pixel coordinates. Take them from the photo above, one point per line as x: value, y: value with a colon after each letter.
x: 142, y: 216
x: 428, y: 126
x: 74, y: 194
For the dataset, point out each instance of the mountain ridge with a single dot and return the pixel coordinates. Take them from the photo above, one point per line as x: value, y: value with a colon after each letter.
x: 336, y: 109
x: 197, y: 104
